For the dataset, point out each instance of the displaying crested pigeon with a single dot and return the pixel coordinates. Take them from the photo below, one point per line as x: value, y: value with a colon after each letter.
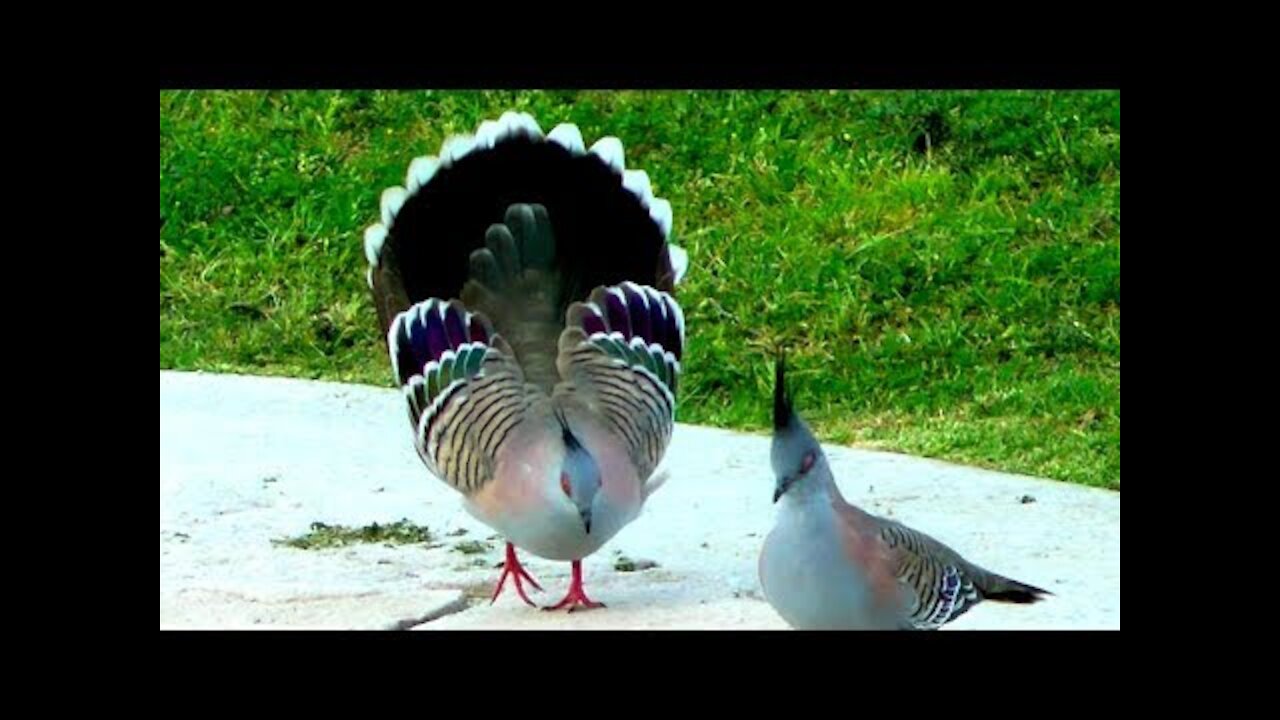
x: 525, y: 285
x: 828, y: 565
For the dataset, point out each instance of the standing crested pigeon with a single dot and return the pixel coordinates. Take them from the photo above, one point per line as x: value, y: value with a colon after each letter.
x: 828, y: 565
x: 525, y: 285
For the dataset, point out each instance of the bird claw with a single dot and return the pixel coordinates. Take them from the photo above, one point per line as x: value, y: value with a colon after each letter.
x: 577, y: 597
x: 576, y: 602
x: 512, y: 567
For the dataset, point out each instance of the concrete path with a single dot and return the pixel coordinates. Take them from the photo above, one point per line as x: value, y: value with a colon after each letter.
x: 246, y: 460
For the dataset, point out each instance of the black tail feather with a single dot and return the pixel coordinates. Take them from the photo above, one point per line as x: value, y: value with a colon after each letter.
x: 1003, y: 589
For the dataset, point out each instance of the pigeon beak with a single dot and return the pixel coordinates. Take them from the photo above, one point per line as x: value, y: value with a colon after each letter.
x: 783, y: 485
x: 586, y: 519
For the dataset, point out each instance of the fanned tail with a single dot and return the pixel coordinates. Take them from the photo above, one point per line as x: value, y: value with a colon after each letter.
x: 594, y: 223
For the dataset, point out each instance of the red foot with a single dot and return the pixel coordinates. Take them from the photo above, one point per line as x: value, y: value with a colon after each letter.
x: 517, y: 572
x: 577, y: 597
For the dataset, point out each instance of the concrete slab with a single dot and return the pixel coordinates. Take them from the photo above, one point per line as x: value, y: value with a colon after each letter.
x: 245, y: 460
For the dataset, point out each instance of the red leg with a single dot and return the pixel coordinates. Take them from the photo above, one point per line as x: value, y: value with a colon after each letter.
x: 517, y: 572
x: 576, y: 597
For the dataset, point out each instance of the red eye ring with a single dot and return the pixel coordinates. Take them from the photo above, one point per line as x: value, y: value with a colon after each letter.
x: 564, y: 483
x: 807, y: 464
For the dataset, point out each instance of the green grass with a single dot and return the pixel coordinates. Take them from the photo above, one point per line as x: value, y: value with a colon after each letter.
x: 956, y: 296
x: 322, y: 536
x: 472, y: 547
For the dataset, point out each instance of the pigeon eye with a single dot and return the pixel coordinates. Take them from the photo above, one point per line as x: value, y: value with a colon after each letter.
x: 564, y: 483
x: 807, y: 463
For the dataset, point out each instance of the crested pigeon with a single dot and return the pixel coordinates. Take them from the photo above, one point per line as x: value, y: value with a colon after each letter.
x: 526, y: 287
x: 828, y: 565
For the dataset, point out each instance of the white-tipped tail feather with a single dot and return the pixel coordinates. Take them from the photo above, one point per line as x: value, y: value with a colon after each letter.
x: 374, y: 236
x: 567, y: 136
x: 421, y: 170
x: 455, y: 148
x: 487, y: 134
x: 392, y: 200
x: 609, y: 150
x: 660, y: 212
x: 514, y: 123
x: 679, y: 261
x: 637, y: 182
